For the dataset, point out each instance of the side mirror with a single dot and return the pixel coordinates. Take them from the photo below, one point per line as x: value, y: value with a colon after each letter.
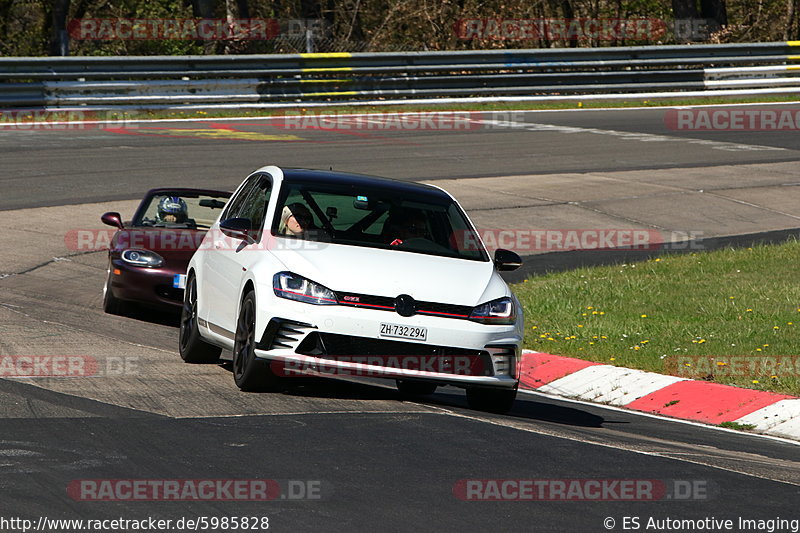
x: 112, y: 219
x: 506, y: 260
x: 238, y: 228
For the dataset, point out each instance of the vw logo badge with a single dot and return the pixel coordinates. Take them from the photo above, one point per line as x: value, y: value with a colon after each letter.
x: 405, y: 305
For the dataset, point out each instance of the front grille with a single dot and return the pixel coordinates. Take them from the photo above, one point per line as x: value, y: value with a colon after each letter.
x: 385, y: 303
x: 397, y: 354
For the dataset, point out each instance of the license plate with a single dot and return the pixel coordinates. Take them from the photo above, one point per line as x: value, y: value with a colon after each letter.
x: 403, y: 332
x: 179, y: 281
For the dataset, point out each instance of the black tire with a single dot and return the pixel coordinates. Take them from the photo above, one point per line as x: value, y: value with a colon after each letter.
x: 111, y: 304
x: 498, y: 401
x: 192, y: 347
x: 249, y: 373
x: 410, y: 389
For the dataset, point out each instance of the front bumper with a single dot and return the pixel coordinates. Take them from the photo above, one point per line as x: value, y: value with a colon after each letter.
x: 336, y: 340
x: 151, y: 286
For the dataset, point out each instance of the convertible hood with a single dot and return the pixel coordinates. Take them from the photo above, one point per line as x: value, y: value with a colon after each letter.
x: 392, y: 272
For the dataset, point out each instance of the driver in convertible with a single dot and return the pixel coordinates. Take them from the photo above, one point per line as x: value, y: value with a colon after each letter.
x: 173, y: 210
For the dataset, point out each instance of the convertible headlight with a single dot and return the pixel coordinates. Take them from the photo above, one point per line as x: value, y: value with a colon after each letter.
x: 294, y: 287
x: 142, y: 258
x: 500, y: 311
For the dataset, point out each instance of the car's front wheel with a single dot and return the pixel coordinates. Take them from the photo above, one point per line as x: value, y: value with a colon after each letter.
x: 192, y: 347
x: 249, y: 373
x: 498, y: 401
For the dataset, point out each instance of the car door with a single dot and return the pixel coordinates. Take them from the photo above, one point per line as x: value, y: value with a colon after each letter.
x: 231, y: 258
x: 214, y: 282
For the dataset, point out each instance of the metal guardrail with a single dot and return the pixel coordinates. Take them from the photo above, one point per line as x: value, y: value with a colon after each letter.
x: 159, y: 81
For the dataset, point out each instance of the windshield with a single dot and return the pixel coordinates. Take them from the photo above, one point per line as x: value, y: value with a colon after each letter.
x: 376, y: 218
x: 184, y: 210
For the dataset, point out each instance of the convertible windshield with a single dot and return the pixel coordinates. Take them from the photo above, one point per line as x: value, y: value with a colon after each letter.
x: 377, y: 218
x: 184, y: 210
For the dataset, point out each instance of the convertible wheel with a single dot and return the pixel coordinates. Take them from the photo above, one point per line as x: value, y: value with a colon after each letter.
x: 249, y: 373
x: 411, y: 389
x: 497, y: 401
x: 192, y: 347
x: 111, y: 304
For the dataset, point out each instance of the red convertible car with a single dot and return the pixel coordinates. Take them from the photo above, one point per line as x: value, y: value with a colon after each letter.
x: 148, y: 256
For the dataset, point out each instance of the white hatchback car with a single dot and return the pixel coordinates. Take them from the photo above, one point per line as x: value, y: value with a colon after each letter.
x: 311, y: 272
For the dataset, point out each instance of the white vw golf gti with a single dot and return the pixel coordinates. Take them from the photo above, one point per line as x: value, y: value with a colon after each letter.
x: 312, y: 272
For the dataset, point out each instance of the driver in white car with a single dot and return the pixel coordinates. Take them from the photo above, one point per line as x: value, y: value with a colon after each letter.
x: 296, y: 219
x: 409, y: 225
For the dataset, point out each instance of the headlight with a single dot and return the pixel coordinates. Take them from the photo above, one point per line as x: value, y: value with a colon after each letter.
x: 142, y: 258
x: 500, y: 311
x: 294, y: 287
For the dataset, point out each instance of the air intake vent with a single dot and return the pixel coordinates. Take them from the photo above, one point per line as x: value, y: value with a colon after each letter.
x: 504, y: 360
x: 283, y: 334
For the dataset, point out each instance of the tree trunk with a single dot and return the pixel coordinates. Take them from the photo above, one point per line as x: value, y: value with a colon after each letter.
x: 716, y: 11
x: 59, y: 41
x: 790, y: 11
x: 684, y: 9
x: 232, y: 14
x: 204, y: 9
x: 569, y: 14
x: 310, y: 9
x: 244, y: 9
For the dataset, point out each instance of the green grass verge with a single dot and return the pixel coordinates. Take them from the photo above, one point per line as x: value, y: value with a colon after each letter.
x: 495, y: 106
x: 492, y: 106
x: 737, y: 426
x: 730, y: 316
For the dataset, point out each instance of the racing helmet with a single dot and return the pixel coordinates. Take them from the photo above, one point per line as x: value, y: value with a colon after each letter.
x: 173, y: 205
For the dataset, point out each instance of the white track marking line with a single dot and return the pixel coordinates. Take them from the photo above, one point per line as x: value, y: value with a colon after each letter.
x: 634, y: 136
x: 661, y: 417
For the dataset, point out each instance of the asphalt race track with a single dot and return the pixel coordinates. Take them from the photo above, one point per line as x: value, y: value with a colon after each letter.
x: 346, y: 455
x: 89, y: 165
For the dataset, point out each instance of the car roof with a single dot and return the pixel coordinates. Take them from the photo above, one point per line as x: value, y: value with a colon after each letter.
x: 180, y: 191
x: 347, y: 179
